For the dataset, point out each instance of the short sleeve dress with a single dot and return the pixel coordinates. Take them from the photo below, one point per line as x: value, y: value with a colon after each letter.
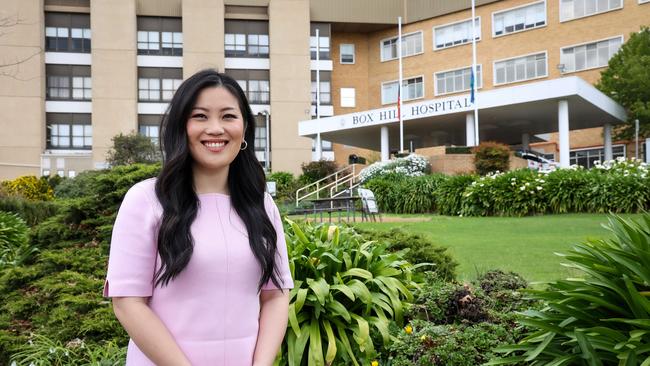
x: 212, y: 308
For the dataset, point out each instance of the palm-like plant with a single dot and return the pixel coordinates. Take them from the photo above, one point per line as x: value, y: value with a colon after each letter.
x: 345, y: 289
x: 601, y: 319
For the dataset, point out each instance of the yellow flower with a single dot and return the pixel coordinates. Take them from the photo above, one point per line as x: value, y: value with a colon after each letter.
x: 374, y: 363
x: 408, y: 329
x: 424, y: 337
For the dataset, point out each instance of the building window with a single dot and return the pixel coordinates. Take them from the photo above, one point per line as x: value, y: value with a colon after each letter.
x: 259, y: 91
x: 325, y: 93
x: 158, y: 84
x: 588, y: 157
x: 412, y: 88
x: 573, y: 9
x: 68, y: 82
x: 69, y: 131
x: 67, y: 32
x: 260, y: 138
x: 325, y: 87
x: 149, y: 126
x: 459, y: 80
x: 589, y: 55
x: 348, y: 97
x: 520, y: 68
x: 160, y: 36
x: 323, y: 41
x: 644, y: 1
x: 519, y: 19
x: 254, y: 83
x: 346, y: 53
x: 324, y: 144
x: 411, y: 45
x: 246, y: 38
x: 455, y: 34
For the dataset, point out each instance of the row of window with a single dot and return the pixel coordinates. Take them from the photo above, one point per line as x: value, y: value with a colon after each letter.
x: 527, y: 67
x: 513, y: 20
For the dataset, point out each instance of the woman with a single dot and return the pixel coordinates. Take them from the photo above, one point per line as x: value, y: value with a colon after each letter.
x: 198, y: 259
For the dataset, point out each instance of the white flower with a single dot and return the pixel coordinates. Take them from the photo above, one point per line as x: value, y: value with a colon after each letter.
x: 539, y: 188
x: 522, y: 188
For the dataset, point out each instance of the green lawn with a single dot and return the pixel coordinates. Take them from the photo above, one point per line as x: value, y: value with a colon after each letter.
x: 523, y: 245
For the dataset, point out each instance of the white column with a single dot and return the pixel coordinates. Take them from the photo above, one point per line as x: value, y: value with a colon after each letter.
x: 319, y: 147
x: 525, y: 141
x: 469, y: 129
x: 385, y: 153
x: 647, y: 150
x: 607, y: 134
x: 563, y: 130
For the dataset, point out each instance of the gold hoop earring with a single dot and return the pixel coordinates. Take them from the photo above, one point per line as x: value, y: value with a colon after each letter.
x: 245, y: 146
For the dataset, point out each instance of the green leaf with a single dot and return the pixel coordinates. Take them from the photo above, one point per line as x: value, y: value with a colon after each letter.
x: 331, y: 342
x: 357, y: 272
x: 320, y: 288
x: 315, y: 357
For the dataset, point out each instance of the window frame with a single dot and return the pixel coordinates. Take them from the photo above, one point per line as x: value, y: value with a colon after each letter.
x: 354, y: 98
x: 622, y: 37
x: 589, y: 15
x: 72, y: 22
x: 142, y: 75
x: 403, y: 80
x: 601, y: 147
x: 479, y: 38
x: 69, y: 75
x: 494, y: 69
x: 435, y: 80
x: 160, y: 25
x: 381, y: 46
x: 519, y: 7
x: 354, y: 53
x: 71, y: 120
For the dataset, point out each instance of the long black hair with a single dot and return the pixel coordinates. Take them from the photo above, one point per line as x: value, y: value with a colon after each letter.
x: 176, y: 192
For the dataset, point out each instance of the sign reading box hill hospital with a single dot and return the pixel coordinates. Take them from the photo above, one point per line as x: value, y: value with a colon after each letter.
x: 382, y: 116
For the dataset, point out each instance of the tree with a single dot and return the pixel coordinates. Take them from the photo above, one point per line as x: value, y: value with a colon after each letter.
x: 627, y: 81
x: 132, y: 149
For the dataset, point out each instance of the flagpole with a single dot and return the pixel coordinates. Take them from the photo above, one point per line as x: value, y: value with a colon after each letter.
x: 399, y: 85
x: 319, y: 146
x: 474, y: 74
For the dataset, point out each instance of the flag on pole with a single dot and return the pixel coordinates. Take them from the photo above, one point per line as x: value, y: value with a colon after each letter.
x: 399, y: 102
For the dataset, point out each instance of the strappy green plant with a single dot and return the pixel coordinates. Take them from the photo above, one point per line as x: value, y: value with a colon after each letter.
x: 600, y: 319
x: 347, y: 292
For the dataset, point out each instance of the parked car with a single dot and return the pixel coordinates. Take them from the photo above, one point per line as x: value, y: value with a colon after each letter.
x: 536, y: 161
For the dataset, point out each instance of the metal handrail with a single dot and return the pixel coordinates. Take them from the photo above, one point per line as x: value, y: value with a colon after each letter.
x: 319, y: 188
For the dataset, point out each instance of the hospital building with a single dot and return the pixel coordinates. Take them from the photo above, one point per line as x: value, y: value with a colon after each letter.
x: 322, y: 76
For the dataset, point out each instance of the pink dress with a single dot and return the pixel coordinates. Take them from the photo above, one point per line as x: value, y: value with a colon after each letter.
x: 212, y: 308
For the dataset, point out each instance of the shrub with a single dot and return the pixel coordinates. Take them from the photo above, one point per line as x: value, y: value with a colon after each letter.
x: 400, y: 194
x: 33, y: 212
x: 77, y: 186
x: 601, y: 318
x: 410, y: 166
x: 59, y: 295
x: 417, y: 249
x: 14, y: 247
x: 429, y: 344
x: 515, y: 193
x: 387, y: 190
x: 344, y: 287
x: 133, y: 148
x: 30, y: 187
x: 490, y: 156
x: 449, y: 195
x: 286, y: 185
x: 317, y: 170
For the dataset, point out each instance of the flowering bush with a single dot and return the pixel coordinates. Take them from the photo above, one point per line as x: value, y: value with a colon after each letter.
x: 516, y: 193
x: 411, y: 166
x: 30, y: 187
